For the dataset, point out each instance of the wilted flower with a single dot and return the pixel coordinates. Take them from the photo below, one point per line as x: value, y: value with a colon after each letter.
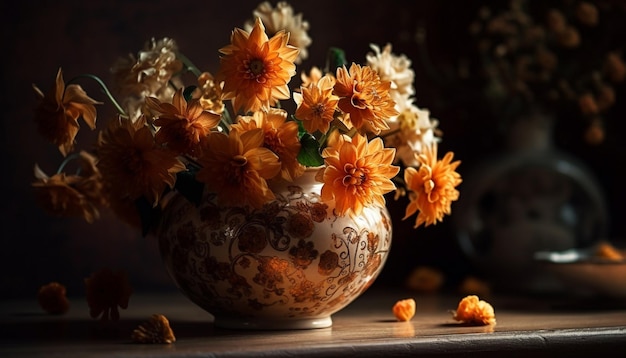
x: 58, y: 112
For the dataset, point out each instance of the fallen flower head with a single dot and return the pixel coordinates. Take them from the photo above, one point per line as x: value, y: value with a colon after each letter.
x: 106, y: 290
x: 474, y: 311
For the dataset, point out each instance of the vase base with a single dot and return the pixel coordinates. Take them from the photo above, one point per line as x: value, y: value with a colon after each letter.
x: 252, y: 323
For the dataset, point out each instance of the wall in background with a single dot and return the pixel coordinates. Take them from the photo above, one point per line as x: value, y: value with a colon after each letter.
x: 40, y: 36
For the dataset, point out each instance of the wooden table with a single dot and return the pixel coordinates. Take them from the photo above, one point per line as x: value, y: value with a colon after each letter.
x: 525, y: 327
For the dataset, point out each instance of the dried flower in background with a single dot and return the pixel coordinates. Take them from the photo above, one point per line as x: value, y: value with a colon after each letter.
x: 52, y: 298
x: 607, y: 251
x: 473, y: 311
x: 472, y: 285
x: 404, y: 309
x: 156, y: 330
x: 425, y: 279
x: 106, y: 290
x: 565, y: 56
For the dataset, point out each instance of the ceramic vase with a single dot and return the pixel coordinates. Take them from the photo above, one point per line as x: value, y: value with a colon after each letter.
x: 288, y: 265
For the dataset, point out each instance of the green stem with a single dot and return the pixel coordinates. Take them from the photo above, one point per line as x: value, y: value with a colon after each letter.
x: 67, y: 160
x: 188, y: 64
x: 105, y: 89
x: 225, y: 121
x: 192, y: 161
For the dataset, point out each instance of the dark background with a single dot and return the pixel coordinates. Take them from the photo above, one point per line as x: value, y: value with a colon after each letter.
x: 40, y: 36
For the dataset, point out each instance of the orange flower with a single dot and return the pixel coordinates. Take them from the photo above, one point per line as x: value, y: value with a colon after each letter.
x: 132, y: 163
x: 317, y: 105
x: 432, y: 186
x: 365, y: 97
x: 280, y: 136
x: 58, y: 112
x: 52, y: 298
x: 255, y: 69
x: 182, y: 125
x: 237, y: 168
x: 71, y: 195
x: 356, y: 173
x: 474, y: 311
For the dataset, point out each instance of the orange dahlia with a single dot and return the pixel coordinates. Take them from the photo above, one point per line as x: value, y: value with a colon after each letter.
x: 280, y: 136
x: 133, y: 164
x: 432, y: 187
x: 182, y: 124
x: 58, y: 112
x: 317, y: 105
x: 365, y: 97
x: 71, y: 195
x: 255, y: 69
x: 237, y: 167
x: 356, y: 173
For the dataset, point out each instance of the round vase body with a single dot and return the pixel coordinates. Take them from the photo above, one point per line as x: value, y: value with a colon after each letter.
x: 288, y: 265
x: 532, y: 197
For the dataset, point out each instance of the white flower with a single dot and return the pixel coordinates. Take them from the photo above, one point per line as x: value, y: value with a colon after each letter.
x: 395, y: 69
x: 146, y: 75
x: 410, y: 132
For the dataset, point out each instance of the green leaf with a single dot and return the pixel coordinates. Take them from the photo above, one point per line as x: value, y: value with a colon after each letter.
x: 189, y: 187
x: 336, y: 58
x: 188, y: 92
x: 310, y: 151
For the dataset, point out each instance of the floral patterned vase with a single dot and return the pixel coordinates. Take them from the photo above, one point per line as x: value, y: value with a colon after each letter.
x: 289, y: 265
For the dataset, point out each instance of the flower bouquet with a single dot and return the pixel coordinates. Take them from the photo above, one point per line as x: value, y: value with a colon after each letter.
x: 227, y: 136
x: 166, y: 131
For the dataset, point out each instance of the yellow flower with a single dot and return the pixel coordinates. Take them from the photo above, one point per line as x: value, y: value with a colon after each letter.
x: 317, y: 105
x: 255, y: 69
x: 71, y: 195
x: 182, y: 125
x: 133, y: 164
x: 432, y: 187
x: 365, y: 98
x: 237, y: 166
x: 280, y: 136
x: 58, y: 112
x: 356, y: 173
